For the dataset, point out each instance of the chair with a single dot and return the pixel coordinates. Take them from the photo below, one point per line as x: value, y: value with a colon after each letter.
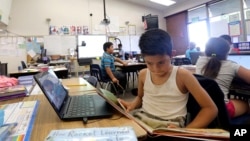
x: 194, y: 56
x: 3, y: 69
x: 92, y: 80
x: 24, y: 66
x: 214, y: 91
x: 95, y: 70
x: 181, y: 61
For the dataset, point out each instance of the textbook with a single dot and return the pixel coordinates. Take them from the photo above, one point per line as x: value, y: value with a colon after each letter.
x: 22, y: 115
x: 12, y: 91
x: 125, y: 133
x: 201, y: 133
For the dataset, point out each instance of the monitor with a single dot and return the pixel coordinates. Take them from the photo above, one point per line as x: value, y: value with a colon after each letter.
x: 243, y: 60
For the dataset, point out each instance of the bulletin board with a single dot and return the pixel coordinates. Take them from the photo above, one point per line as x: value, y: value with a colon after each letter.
x: 234, y: 28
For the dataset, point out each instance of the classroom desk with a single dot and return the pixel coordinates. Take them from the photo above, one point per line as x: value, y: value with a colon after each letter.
x: 47, y: 120
x: 60, y: 72
x: 133, y: 68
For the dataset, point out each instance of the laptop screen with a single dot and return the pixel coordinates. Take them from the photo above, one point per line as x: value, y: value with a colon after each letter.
x: 52, y: 88
x: 243, y: 60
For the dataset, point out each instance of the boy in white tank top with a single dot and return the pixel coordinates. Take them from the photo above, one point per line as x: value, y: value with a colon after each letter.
x: 163, y: 88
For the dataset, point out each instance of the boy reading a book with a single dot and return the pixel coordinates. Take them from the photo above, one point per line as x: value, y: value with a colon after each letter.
x: 163, y: 88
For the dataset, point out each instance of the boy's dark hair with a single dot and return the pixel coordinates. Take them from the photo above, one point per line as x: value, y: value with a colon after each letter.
x: 155, y: 42
x: 107, y: 45
x: 227, y: 37
x: 217, y: 49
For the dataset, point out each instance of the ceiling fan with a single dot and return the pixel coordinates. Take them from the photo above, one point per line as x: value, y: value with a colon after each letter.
x: 105, y: 21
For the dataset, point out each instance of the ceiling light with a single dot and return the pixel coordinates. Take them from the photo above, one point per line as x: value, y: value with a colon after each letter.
x: 164, y: 2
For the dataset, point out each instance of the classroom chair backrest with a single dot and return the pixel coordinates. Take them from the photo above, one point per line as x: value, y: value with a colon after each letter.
x: 92, y: 80
x: 194, y: 56
x: 216, y: 94
x: 95, y: 70
x: 24, y: 66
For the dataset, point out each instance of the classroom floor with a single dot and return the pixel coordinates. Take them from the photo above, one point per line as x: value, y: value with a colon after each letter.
x: 128, y: 92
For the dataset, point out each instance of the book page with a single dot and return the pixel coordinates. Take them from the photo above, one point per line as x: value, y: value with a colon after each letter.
x: 180, y: 132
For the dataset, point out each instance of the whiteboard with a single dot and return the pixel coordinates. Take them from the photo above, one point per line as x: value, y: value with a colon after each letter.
x: 94, y: 45
x: 218, y: 28
x: 59, y: 44
x: 130, y: 43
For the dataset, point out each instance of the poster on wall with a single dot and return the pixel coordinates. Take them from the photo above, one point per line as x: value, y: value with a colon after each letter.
x: 248, y: 26
x: 234, y: 28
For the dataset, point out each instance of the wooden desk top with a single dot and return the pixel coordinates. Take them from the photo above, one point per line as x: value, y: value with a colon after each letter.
x: 47, y: 120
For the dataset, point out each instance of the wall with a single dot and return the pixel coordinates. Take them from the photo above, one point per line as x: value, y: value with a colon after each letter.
x: 28, y: 17
x: 5, y: 6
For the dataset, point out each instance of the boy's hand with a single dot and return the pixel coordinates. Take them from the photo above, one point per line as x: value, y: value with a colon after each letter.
x: 127, y: 105
x: 115, y: 80
x: 125, y: 63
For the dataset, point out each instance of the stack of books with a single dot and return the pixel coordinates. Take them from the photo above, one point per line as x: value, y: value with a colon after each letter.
x: 12, y: 92
x: 28, y: 81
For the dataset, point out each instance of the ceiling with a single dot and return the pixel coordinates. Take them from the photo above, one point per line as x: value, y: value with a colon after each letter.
x: 148, y: 3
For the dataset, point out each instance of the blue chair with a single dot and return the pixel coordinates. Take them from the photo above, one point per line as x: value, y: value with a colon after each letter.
x: 95, y: 70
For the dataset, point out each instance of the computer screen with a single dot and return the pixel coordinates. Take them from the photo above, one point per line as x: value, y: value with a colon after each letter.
x: 90, y: 46
x: 243, y: 60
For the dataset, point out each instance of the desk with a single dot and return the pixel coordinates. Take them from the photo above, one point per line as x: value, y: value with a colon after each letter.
x: 60, y: 72
x: 131, y: 68
x: 47, y: 120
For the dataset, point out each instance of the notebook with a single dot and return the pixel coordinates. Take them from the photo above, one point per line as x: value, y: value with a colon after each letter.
x: 69, y: 107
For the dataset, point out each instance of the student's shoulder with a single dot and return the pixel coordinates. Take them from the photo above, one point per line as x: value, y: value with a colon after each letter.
x: 143, y: 71
x: 184, y: 72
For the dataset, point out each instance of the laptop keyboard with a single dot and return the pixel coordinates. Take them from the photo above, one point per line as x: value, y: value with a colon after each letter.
x: 82, y: 106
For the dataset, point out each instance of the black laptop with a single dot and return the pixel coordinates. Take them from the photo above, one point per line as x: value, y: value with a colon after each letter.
x: 68, y: 107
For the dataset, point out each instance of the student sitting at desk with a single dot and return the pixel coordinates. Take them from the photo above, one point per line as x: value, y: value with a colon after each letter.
x: 191, y: 48
x: 108, y: 66
x: 163, y: 88
x: 216, y: 66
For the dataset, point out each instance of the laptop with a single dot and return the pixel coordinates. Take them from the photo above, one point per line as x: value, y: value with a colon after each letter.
x: 79, y: 107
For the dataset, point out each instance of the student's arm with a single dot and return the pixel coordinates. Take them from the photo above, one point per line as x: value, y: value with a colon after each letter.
x: 137, y: 102
x: 244, y: 74
x: 208, y: 109
x: 121, y: 61
x: 111, y: 75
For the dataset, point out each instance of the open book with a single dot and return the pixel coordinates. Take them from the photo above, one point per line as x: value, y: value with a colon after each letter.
x: 203, y: 133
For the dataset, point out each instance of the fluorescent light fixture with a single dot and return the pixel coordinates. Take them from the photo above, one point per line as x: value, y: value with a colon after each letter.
x: 164, y: 2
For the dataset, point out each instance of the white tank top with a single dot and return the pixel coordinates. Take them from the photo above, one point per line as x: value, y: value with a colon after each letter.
x: 165, y: 100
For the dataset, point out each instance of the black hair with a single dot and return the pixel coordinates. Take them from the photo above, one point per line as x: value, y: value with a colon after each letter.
x: 155, y: 42
x: 119, y: 45
x: 107, y: 45
x: 227, y: 38
x: 217, y: 49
